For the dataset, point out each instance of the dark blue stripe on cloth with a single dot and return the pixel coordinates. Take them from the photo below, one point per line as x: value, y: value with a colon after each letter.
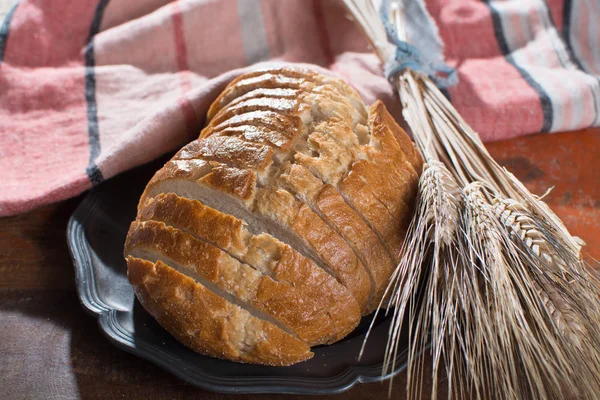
x: 4, y: 30
x: 566, y: 28
x: 543, y: 96
x: 566, y: 39
x: 92, y: 170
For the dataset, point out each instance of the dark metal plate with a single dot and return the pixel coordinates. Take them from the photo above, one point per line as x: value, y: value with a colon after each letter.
x: 96, y: 234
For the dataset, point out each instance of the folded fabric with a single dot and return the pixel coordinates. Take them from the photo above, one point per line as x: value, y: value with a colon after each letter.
x: 89, y: 89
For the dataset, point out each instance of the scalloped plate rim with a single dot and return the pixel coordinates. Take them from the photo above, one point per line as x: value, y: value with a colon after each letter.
x: 105, y: 314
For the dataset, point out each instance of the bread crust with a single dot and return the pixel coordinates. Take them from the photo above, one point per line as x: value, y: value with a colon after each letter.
x: 299, y: 313
x: 282, y: 207
x: 239, y: 183
x: 385, y: 168
x: 279, y: 204
x: 331, y: 205
x: 326, y: 189
x: 264, y: 253
x: 383, y: 186
x: 228, y: 150
x: 380, y: 118
x: 208, y: 323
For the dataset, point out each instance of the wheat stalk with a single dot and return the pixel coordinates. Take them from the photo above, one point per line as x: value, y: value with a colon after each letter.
x: 429, y: 246
x: 490, y: 279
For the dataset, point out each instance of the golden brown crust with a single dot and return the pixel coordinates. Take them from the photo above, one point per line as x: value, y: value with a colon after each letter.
x: 387, y: 163
x: 280, y: 206
x: 223, y: 230
x: 331, y: 205
x: 261, y: 79
x: 228, y: 150
x: 262, y: 252
x: 364, y: 240
x: 304, y: 315
x: 256, y: 133
x: 359, y: 191
x: 380, y: 118
x: 208, y: 323
x: 341, y: 261
x: 240, y: 183
x: 387, y: 180
x: 288, y: 125
x: 343, y: 216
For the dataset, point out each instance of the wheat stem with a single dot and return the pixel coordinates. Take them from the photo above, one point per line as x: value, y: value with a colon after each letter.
x: 490, y: 277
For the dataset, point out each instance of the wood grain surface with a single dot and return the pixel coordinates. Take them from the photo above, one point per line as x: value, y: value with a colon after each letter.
x: 51, y: 349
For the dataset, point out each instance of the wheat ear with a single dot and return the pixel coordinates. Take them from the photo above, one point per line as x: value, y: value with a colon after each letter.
x: 430, y: 251
x: 498, y: 289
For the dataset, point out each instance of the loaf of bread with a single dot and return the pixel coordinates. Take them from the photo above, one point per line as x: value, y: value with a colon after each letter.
x: 279, y: 227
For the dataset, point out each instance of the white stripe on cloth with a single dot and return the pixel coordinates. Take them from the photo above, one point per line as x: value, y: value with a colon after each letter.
x: 538, y: 49
x: 584, y: 33
x: 584, y: 38
x: 252, y: 26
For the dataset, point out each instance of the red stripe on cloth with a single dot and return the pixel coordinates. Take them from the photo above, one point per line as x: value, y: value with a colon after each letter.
x: 282, y: 22
x: 491, y: 95
x: 183, y: 69
x: 189, y: 115
x: 321, y: 26
x: 43, y: 113
x: 342, y: 33
x: 122, y: 11
x: 180, y: 45
x: 53, y: 32
x: 556, y: 11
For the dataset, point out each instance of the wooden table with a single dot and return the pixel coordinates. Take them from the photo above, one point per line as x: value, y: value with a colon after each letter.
x: 51, y: 349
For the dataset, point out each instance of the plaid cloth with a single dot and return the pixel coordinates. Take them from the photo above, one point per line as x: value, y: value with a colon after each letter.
x: 89, y: 89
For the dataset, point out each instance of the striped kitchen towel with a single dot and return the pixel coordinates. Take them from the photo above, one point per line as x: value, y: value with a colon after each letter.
x: 90, y: 88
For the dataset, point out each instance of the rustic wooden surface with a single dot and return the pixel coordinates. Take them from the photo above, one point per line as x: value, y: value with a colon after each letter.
x: 51, y: 349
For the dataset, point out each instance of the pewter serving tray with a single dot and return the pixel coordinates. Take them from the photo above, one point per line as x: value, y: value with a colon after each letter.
x: 95, y: 236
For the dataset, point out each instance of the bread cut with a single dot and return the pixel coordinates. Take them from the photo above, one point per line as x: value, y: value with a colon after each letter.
x: 319, y: 292
x: 268, y: 209
x: 291, y: 206
x: 208, y: 323
x: 279, y: 303
x: 330, y: 205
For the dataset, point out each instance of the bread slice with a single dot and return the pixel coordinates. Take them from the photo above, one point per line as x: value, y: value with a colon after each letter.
x: 276, y: 302
x: 271, y: 257
x: 380, y: 187
x: 389, y: 178
x: 330, y: 147
x: 284, y: 78
x: 244, y: 171
x: 208, y: 323
x: 377, y: 179
x: 330, y: 205
x: 276, y: 212
x: 380, y: 119
x: 360, y: 161
x: 366, y: 164
x: 374, y: 179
